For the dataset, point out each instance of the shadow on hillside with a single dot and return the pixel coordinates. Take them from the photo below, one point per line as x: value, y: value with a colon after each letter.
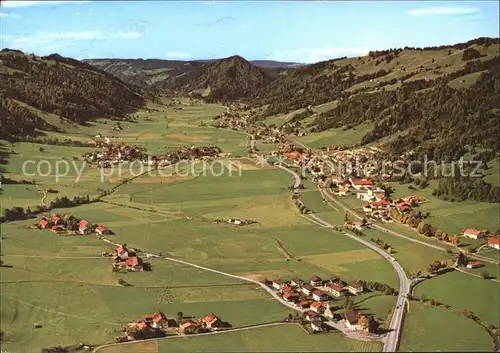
x: 4, y: 156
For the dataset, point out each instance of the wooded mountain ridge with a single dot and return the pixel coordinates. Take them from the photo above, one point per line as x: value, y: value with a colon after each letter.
x: 34, y: 87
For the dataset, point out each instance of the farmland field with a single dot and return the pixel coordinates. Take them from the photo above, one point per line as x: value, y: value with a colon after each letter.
x: 442, y: 288
x: 258, y: 340
x: 431, y: 329
x: 64, y: 284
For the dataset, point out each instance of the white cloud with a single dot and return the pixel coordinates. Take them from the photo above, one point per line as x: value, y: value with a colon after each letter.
x: 444, y: 11
x: 14, y: 4
x: 9, y: 15
x: 52, y: 41
x: 313, y: 55
x: 177, y: 55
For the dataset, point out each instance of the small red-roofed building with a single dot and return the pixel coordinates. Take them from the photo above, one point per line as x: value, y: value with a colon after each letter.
x: 211, y: 321
x: 84, y: 227
x: 134, y: 264
x: 494, y: 242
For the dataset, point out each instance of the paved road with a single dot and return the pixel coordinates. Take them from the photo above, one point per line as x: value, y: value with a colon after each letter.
x: 379, y: 227
x: 392, y: 339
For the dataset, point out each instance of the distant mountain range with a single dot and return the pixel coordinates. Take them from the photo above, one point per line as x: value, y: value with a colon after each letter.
x: 432, y: 98
x: 148, y: 72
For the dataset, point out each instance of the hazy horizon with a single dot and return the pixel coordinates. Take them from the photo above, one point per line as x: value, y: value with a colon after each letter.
x: 299, y: 31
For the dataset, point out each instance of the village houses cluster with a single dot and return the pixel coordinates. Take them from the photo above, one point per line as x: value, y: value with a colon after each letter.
x: 70, y: 225
x: 315, y: 295
x: 109, y: 154
x: 159, y: 325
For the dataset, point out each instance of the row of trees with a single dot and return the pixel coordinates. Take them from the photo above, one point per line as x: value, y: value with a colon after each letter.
x: 19, y: 213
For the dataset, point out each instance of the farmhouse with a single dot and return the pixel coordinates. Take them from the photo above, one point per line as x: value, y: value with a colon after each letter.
x: 317, y: 325
x: 403, y: 208
x: 343, y: 191
x: 296, y: 282
x: 134, y: 264
x: 101, y: 230
x: 277, y: 283
x: 474, y: 264
x: 43, y: 223
x: 157, y: 320
x: 56, y: 229
x: 354, y: 225
x: 83, y: 229
x: 317, y: 307
x: 494, y: 242
x: 359, y: 184
x: 291, y: 297
x: 319, y: 295
x: 474, y: 233
x: 304, y: 304
x: 56, y: 219
x: 122, y: 252
x: 336, y: 289
x: 189, y: 326
x: 355, y: 287
x: 286, y: 288
x: 316, y: 281
x: 352, y: 321
x: 307, y: 289
x: 211, y: 321
x: 311, y: 315
x: 378, y: 205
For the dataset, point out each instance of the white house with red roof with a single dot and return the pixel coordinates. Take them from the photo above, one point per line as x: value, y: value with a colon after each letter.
x: 307, y: 289
x: 316, y: 281
x: 494, y: 242
x: 56, y: 219
x: 134, y: 264
x: 43, y: 223
x: 122, y: 251
x: 318, y: 307
x: 100, y: 230
x: 291, y: 297
x: 360, y: 184
x: 474, y: 233
x: 211, y: 321
x: 157, y: 320
x: 84, y: 227
x: 473, y: 264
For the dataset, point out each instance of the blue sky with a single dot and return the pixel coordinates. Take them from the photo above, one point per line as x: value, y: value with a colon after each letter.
x: 307, y: 31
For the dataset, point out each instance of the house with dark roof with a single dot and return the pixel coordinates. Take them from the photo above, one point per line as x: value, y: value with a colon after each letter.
x: 307, y: 289
x: 335, y: 289
x: 355, y: 287
x: 319, y: 295
x: 316, y: 281
x: 317, y: 325
x: 352, y: 321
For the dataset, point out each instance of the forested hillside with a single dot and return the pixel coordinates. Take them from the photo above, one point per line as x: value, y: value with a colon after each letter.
x: 72, y: 90
x: 226, y: 79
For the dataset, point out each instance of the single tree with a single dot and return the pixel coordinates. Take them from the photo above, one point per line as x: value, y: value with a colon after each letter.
x: 485, y: 274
